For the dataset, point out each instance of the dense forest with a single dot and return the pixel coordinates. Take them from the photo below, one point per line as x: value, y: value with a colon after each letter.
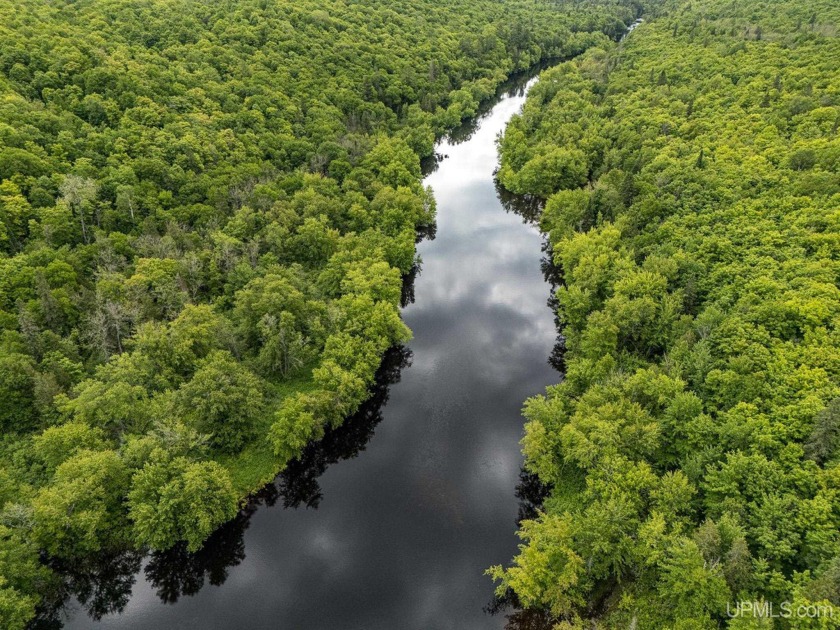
x: 206, y: 211
x: 691, y: 187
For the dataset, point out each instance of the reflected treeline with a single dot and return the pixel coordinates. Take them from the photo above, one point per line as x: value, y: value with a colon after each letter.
x: 531, y: 492
x: 102, y: 584
x: 298, y: 484
x: 515, y: 85
x: 176, y: 571
x: 429, y: 164
x: 424, y: 233
x: 553, y: 274
x: 530, y: 209
x: 529, y: 619
x: 407, y: 290
x: 518, y: 618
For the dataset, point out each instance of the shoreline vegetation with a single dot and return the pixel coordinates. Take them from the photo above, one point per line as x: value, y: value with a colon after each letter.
x: 206, y: 212
x: 691, y: 187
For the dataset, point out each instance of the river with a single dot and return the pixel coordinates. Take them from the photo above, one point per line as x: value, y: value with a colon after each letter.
x: 391, y: 521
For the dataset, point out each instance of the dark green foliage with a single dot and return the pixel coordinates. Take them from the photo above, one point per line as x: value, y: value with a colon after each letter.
x: 824, y: 441
x: 222, y: 399
x: 16, y: 391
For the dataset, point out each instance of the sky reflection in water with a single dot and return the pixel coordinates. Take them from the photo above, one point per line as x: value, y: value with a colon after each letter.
x: 403, y: 532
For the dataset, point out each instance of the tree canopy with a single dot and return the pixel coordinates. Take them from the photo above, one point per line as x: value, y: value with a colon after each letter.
x: 206, y: 210
x: 692, y: 447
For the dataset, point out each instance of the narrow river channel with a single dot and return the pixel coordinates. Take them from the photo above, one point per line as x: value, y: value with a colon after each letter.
x: 391, y: 522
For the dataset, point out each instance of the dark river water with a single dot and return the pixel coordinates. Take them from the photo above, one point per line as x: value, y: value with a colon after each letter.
x: 390, y: 522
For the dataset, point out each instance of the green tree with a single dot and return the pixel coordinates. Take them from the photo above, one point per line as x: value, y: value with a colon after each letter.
x: 21, y: 576
x: 223, y: 399
x: 174, y: 499
x: 15, y: 213
x: 81, y: 511
x: 16, y: 392
x: 58, y: 444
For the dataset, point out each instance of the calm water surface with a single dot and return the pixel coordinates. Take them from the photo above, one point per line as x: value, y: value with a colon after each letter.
x: 390, y: 523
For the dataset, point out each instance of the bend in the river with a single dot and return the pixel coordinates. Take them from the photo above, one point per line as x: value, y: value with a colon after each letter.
x: 399, y: 536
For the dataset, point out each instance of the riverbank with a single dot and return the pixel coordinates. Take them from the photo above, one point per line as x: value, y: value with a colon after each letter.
x: 391, y: 521
x: 693, y: 216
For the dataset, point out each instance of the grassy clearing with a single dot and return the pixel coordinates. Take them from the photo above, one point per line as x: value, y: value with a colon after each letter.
x: 256, y: 465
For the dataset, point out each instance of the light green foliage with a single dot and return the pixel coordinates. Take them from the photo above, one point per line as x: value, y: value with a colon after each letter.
x: 116, y: 406
x: 546, y: 172
x: 15, y: 212
x: 81, y: 511
x: 295, y: 426
x: 176, y: 499
x: 58, y: 444
x: 548, y: 570
x: 692, y: 446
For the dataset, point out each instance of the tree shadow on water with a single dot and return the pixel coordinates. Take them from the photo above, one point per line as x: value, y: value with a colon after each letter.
x: 531, y: 492
x: 178, y: 572
x: 298, y: 483
x: 102, y: 585
x: 530, y: 208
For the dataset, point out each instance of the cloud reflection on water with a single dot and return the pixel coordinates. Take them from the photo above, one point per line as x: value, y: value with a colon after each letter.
x: 400, y: 536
